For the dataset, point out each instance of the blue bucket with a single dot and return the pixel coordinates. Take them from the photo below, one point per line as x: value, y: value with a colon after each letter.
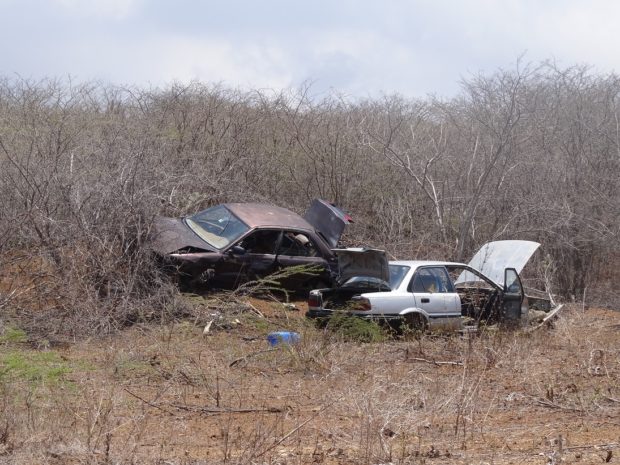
x: 282, y: 337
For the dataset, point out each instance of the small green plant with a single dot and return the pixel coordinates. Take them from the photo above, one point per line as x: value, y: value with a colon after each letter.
x: 38, y: 367
x: 261, y: 325
x: 277, y: 282
x: 355, y: 329
x: 309, y: 355
x: 128, y: 369
x: 13, y: 336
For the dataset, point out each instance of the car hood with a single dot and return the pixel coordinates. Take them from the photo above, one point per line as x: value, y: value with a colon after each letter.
x: 362, y: 262
x: 494, y: 257
x: 328, y: 220
x: 172, y: 234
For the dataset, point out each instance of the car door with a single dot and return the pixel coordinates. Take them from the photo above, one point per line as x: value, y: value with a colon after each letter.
x: 434, y: 293
x: 253, y: 257
x: 512, y: 299
x: 298, y: 249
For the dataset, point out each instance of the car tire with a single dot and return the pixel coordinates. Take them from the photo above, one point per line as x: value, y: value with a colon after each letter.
x: 414, y: 322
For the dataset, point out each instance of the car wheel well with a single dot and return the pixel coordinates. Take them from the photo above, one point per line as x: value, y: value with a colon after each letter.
x: 414, y: 321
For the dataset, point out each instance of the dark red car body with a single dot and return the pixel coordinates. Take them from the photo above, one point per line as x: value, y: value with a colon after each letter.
x: 271, y: 238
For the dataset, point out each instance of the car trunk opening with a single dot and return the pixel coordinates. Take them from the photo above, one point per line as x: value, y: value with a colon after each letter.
x: 328, y: 220
x: 342, y: 299
x: 371, y: 263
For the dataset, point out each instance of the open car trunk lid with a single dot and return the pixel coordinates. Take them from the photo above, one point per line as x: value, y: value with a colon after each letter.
x: 328, y: 220
x: 362, y: 262
x: 494, y: 257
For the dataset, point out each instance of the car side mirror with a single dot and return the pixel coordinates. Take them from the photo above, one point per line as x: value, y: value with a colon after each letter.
x: 237, y: 250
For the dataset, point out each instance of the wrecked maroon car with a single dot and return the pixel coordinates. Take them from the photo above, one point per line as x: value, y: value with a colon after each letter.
x: 230, y: 244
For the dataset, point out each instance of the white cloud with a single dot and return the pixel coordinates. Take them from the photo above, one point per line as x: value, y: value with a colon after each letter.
x: 366, y: 61
x: 114, y: 9
x: 159, y: 60
x: 583, y: 33
x: 249, y: 65
x: 356, y: 47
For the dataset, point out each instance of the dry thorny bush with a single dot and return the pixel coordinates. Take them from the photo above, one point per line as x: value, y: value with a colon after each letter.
x: 529, y: 153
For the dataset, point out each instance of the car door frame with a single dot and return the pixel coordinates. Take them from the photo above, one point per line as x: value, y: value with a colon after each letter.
x: 238, y: 268
x: 501, y: 306
x: 303, y: 281
x: 512, y: 308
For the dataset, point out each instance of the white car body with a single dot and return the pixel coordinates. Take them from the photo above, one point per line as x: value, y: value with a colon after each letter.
x: 428, y: 294
x: 439, y: 309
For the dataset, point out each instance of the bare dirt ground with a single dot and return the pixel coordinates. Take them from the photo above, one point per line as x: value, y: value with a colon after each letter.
x: 173, y: 395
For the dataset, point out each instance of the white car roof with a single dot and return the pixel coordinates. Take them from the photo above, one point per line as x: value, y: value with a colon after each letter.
x: 418, y: 263
x: 491, y: 260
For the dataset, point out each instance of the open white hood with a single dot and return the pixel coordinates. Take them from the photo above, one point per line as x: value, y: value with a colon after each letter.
x: 362, y: 262
x: 494, y: 257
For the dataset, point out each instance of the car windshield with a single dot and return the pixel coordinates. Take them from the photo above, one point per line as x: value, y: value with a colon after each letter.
x: 397, y: 274
x: 366, y: 282
x: 217, y: 226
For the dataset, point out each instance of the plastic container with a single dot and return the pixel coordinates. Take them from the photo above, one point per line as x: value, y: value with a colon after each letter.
x: 282, y: 337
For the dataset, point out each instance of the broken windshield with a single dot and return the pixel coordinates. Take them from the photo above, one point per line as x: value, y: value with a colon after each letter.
x: 217, y: 226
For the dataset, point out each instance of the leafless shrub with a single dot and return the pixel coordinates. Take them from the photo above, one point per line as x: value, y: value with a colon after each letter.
x: 529, y: 153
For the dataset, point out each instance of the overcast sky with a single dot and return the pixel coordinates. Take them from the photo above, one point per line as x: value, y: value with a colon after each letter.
x: 359, y: 48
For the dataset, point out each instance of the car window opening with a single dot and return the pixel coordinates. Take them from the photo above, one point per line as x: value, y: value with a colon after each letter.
x: 217, y: 226
x: 296, y: 244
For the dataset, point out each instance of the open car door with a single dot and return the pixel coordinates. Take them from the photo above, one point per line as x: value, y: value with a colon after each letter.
x: 512, y: 300
x: 500, y: 262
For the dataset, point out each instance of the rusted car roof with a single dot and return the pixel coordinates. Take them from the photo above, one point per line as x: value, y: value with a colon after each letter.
x: 263, y: 215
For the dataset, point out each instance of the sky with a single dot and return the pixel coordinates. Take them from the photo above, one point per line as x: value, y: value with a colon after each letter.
x: 358, y: 48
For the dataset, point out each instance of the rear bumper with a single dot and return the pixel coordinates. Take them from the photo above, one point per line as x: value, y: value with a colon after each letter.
x: 312, y: 313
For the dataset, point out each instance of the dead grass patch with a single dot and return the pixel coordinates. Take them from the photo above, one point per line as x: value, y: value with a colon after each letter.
x: 156, y: 394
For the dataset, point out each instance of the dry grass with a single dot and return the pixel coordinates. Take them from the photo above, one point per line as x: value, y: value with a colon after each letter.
x: 169, y: 394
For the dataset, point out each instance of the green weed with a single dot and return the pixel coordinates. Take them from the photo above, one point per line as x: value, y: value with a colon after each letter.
x: 37, y: 367
x: 13, y: 336
x: 133, y: 369
x: 355, y: 329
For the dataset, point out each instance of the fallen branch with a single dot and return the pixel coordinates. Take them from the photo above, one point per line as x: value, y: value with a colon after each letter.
x: 151, y: 404
x: 206, y: 410
x: 548, y: 404
x: 297, y: 428
x: 255, y: 310
x: 245, y: 357
x: 609, y: 445
x: 435, y: 362
x: 4, y: 300
x: 219, y: 411
x: 549, y: 317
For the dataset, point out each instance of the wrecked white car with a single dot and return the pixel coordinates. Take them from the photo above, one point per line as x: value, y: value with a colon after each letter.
x: 429, y: 294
